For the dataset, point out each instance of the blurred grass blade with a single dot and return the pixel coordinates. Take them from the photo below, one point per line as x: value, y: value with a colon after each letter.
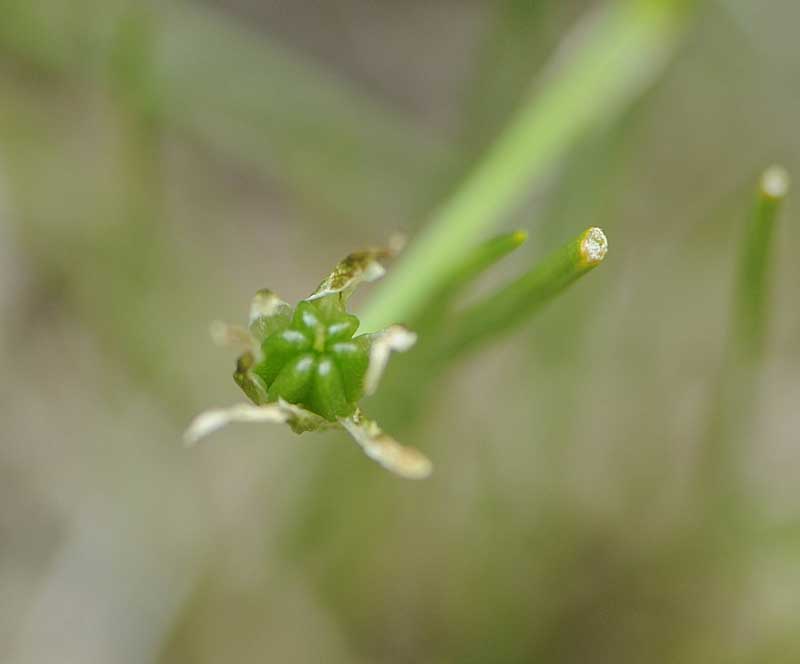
x: 750, y: 313
x: 507, y: 59
x: 474, y: 264
x: 730, y: 428
x: 246, y: 96
x: 516, y: 302
x: 233, y: 88
x: 603, y: 65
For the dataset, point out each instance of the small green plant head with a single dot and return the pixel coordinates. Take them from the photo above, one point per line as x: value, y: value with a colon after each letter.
x: 313, y: 360
x: 306, y: 366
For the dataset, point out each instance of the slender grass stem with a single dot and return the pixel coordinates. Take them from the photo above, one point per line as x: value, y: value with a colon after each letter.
x: 750, y: 313
x: 464, y: 273
x: 482, y: 258
x: 731, y: 420
x: 516, y: 302
x: 607, y: 62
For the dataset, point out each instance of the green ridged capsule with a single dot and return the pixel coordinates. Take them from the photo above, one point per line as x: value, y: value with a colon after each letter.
x: 341, y: 329
x: 278, y: 349
x: 309, y: 356
x: 327, y: 396
x: 307, y: 319
x: 294, y: 380
x: 352, y: 358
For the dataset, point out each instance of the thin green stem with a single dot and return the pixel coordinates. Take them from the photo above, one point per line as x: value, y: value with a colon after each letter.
x: 516, y: 302
x: 750, y: 312
x: 731, y: 420
x: 475, y: 263
x: 603, y: 66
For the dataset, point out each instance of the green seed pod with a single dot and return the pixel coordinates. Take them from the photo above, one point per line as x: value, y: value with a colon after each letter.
x: 278, y: 349
x: 343, y: 329
x: 353, y: 360
x: 294, y: 380
x: 306, y: 319
x: 327, y: 392
x: 304, y: 368
x: 312, y: 360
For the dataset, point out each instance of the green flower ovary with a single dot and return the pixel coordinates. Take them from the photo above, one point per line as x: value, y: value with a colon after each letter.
x: 313, y: 360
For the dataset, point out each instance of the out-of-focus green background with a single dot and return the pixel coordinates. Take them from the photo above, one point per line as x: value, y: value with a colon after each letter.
x: 161, y: 162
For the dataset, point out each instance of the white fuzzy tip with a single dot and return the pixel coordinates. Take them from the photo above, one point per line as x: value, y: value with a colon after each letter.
x: 775, y: 182
x: 594, y: 246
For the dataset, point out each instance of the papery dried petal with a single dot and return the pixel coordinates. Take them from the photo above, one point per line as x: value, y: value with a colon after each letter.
x: 268, y: 314
x: 382, y: 344
x: 357, y: 267
x: 225, y: 334
x: 302, y: 420
x: 404, y: 461
x: 212, y: 420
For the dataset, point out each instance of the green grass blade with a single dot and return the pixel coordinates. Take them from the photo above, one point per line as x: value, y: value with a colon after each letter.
x: 470, y: 268
x: 750, y: 314
x: 516, y: 302
x: 610, y: 61
x: 720, y: 472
